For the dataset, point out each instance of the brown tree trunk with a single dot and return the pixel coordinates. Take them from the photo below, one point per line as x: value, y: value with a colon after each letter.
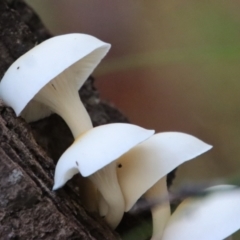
x: 29, y: 209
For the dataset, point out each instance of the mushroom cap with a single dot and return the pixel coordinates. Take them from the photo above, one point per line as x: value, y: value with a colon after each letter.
x: 97, y: 148
x: 151, y: 160
x: 33, y: 70
x: 211, y: 217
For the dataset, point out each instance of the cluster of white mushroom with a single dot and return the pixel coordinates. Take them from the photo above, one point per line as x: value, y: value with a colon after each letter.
x: 122, y: 161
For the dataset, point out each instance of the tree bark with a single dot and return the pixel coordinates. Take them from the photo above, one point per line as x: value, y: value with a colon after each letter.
x: 29, y: 209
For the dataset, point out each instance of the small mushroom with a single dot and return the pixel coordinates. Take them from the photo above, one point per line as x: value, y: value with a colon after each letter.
x: 94, y: 155
x: 51, y: 74
x: 214, y: 216
x: 146, y: 166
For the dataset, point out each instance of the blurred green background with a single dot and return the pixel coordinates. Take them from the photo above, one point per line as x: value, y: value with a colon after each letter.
x: 174, y: 66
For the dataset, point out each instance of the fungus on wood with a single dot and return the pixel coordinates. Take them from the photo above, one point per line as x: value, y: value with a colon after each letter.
x: 28, y: 207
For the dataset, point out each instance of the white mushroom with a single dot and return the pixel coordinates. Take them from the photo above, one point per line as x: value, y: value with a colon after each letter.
x: 51, y: 74
x: 212, y: 217
x: 48, y: 77
x: 94, y: 155
x: 146, y: 166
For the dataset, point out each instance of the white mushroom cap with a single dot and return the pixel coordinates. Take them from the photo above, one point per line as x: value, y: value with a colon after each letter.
x: 97, y: 148
x: 94, y: 154
x: 148, y: 162
x: 211, y: 217
x: 80, y: 53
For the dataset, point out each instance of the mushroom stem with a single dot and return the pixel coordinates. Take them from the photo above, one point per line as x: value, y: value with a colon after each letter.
x: 88, y: 194
x: 102, y: 205
x: 63, y: 99
x: 107, y: 183
x: 160, y: 212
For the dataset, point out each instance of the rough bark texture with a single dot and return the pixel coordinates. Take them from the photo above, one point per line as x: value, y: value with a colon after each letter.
x: 28, y: 207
